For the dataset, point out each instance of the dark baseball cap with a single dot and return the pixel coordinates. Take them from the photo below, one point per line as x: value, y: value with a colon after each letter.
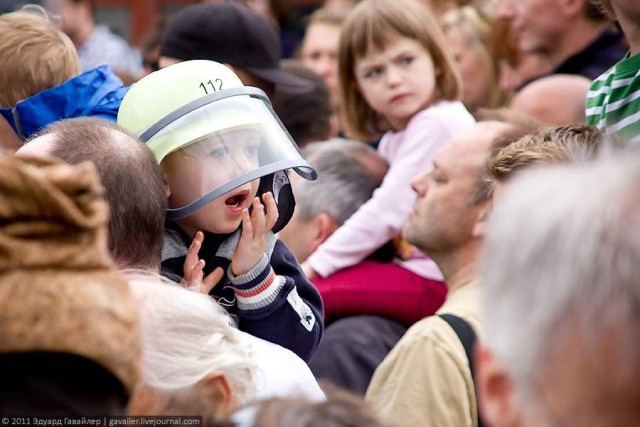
x: 230, y: 33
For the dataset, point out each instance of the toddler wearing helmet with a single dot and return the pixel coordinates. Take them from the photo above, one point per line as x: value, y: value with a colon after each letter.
x: 224, y: 153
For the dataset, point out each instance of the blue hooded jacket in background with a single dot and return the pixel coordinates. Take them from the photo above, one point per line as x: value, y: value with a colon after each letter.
x: 97, y: 92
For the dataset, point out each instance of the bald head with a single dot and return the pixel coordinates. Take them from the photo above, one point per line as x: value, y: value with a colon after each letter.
x: 130, y: 175
x: 557, y: 99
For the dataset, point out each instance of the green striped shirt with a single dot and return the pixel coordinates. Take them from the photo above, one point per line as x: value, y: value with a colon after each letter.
x: 613, y: 101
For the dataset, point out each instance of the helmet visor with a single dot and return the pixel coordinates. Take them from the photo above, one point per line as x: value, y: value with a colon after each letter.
x: 222, y: 145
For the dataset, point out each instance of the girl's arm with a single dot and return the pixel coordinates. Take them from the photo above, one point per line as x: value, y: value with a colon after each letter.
x: 383, y: 216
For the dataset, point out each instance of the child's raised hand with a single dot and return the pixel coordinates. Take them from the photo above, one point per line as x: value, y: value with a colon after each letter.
x: 193, y: 276
x: 255, y: 228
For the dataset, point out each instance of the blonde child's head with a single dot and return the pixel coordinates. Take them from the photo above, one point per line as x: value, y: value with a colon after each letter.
x: 371, y: 25
x: 34, y: 55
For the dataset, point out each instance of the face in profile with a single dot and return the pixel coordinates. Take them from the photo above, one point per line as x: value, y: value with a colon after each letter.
x: 475, y: 69
x: 536, y: 24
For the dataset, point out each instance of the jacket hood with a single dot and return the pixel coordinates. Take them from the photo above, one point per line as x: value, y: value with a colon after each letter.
x: 97, y: 92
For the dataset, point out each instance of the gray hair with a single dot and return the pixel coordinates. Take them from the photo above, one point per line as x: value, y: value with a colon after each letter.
x: 562, y: 259
x: 348, y: 173
x: 187, y: 335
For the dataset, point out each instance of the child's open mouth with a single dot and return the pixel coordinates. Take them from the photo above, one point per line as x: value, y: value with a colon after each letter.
x: 237, y: 201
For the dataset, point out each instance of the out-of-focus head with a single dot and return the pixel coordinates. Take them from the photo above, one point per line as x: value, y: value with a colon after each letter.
x: 193, y: 359
x: 341, y: 409
x: 319, y: 49
x: 541, y: 25
x: 232, y: 34
x: 620, y: 10
x: 34, y: 55
x: 308, y: 117
x: 469, y: 31
x: 134, y: 188
x: 557, y: 99
x: 557, y: 144
x: 69, y: 337
x: 348, y: 173
x: 150, y: 48
x: 516, y: 66
x: 371, y: 26
x: 76, y: 16
x: 561, y: 298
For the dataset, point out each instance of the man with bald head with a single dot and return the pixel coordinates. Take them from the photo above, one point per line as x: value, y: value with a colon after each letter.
x: 426, y: 379
x: 134, y: 188
x: 557, y: 99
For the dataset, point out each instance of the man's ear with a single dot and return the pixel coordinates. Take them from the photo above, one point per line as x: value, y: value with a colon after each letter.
x: 324, y: 227
x: 480, y: 226
x: 495, y: 390
x: 216, y: 390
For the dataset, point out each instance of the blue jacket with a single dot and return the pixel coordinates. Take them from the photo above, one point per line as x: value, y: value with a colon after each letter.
x: 97, y: 92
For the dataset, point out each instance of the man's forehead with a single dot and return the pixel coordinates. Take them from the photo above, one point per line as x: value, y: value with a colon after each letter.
x: 471, y: 144
x: 40, y: 145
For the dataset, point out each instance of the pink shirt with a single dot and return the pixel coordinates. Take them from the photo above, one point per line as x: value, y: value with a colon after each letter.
x: 410, y: 153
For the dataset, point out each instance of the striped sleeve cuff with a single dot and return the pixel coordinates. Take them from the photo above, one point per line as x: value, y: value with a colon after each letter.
x: 257, y: 288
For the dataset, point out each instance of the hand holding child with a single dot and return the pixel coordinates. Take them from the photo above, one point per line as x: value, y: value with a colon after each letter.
x: 255, y: 228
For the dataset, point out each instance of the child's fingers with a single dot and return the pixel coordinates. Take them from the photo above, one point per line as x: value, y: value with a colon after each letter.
x: 257, y: 217
x: 212, y: 280
x: 272, y: 210
x: 193, y: 277
x: 247, y: 227
x: 192, y: 254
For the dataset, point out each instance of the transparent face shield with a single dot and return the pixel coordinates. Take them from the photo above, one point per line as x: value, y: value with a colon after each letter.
x: 220, y: 142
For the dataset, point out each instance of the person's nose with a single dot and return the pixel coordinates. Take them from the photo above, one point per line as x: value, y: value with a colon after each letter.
x: 326, y: 67
x: 506, y: 9
x: 393, y: 75
x: 420, y: 184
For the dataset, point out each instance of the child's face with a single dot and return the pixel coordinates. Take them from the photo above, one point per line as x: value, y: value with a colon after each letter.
x: 204, y: 166
x: 397, y: 81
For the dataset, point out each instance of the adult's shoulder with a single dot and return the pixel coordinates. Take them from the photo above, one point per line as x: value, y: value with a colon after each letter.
x: 434, y: 332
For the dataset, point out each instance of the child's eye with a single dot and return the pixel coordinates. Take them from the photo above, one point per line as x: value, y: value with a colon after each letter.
x: 373, y: 72
x: 437, y: 178
x: 251, y: 150
x: 406, y: 60
x: 219, y: 153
